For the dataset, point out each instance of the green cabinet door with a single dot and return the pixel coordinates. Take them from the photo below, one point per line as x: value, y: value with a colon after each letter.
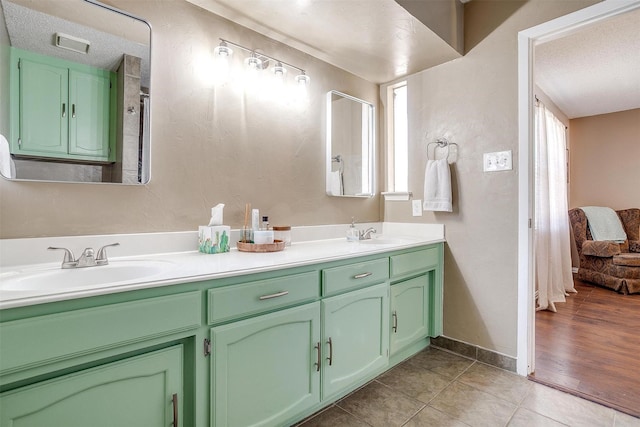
x: 43, y: 108
x: 138, y: 391
x: 409, y: 312
x: 355, y: 338
x: 265, y: 368
x: 89, y: 114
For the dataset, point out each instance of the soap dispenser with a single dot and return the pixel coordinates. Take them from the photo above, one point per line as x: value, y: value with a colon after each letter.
x: 352, y: 232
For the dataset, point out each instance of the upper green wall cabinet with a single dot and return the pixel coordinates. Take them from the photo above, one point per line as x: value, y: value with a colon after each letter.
x: 60, y: 109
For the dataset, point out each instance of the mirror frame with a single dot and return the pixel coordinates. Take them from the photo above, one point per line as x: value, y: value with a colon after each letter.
x: 370, y: 115
x: 146, y: 151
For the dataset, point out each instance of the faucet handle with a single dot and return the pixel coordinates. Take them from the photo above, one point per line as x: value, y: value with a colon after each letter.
x: 69, y: 260
x: 101, y: 257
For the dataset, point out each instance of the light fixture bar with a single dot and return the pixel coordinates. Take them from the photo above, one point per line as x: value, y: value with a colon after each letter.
x: 259, y: 54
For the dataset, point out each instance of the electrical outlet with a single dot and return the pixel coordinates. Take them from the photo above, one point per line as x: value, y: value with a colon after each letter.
x: 416, y: 207
x: 498, y: 161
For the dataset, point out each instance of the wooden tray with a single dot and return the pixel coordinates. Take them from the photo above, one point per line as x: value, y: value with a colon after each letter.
x: 276, y: 246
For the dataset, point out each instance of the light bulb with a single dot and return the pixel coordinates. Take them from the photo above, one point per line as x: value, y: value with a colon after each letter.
x: 253, y: 62
x: 223, y: 50
x: 302, y: 79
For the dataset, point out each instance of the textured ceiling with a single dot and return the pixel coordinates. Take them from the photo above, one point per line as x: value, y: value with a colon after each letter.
x: 374, y: 39
x: 595, y: 70
x: 34, y: 30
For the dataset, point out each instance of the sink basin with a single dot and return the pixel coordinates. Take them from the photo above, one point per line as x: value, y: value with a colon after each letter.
x: 382, y: 240
x: 116, y: 272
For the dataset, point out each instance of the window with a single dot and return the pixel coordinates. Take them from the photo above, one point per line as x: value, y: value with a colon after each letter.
x: 397, y: 139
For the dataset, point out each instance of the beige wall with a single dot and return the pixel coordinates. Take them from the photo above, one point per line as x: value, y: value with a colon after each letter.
x: 605, y: 160
x: 473, y: 102
x: 209, y: 145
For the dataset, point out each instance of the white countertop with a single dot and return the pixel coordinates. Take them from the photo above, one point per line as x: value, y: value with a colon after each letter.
x: 192, y: 266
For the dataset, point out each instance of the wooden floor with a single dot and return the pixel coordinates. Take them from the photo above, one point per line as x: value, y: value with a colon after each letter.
x: 591, y: 347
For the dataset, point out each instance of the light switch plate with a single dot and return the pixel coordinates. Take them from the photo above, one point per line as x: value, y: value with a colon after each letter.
x: 416, y: 207
x: 497, y: 161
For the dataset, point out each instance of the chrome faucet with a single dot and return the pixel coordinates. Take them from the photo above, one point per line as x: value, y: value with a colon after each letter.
x: 87, y: 259
x: 366, y: 234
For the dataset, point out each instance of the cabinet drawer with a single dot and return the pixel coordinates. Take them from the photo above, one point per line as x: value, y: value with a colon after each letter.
x: 414, y: 261
x: 55, y: 337
x: 250, y: 298
x: 352, y: 276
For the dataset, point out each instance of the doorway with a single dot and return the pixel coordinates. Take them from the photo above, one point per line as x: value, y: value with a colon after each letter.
x: 527, y: 40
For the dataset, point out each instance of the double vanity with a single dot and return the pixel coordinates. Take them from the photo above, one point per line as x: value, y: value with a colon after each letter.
x: 181, y: 338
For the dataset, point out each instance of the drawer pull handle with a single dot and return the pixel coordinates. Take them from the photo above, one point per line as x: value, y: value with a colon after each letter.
x: 174, y: 400
x: 362, y: 275
x: 276, y: 295
x: 395, y: 322
x: 317, y: 347
x: 330, y: 358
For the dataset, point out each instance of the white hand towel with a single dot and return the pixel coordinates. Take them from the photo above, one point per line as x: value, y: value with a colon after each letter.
x: 7, y: 167
x: 336, y: 183
x: 437, y: 186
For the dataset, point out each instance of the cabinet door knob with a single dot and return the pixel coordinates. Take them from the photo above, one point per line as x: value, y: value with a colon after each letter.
x: 174, y: 400
x: 395, y: 322
x: 317, y: 348
x: 330, y: 358
x: 362, y: 275
x: 64, y: 110
x: 73, y: 111
x: 276, y: 295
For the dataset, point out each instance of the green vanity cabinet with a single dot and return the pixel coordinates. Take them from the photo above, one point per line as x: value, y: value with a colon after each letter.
x: 265, y: 369
x: 261, y: 349
x: 416, y: 297
x: 139, y: 391
x: 60, y: 109
x: 355, y: 338
x: 105, y: 364
x: 409, y: 312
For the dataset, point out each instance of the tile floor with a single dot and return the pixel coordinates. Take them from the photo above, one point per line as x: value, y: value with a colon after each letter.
x: 438, y: 388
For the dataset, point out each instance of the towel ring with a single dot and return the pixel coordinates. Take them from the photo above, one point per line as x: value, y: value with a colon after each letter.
x: 440, y: 143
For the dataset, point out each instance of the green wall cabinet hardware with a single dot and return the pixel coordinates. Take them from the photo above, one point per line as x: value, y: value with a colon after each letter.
x: 409, y: 311
x: 140, y: 391
x: 265, y: 369
x: 60, y: 109
x: 355, y: 338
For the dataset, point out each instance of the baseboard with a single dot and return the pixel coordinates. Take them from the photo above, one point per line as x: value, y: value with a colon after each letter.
x: 480, y: 354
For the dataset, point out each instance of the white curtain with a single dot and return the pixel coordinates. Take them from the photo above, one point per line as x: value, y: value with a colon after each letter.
x: 551, y: 235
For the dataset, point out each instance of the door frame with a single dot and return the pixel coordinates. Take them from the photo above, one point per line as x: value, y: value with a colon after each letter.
x: 527, y: 40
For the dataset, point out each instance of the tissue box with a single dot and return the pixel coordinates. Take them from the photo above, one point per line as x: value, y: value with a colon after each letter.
x: 213, y: 239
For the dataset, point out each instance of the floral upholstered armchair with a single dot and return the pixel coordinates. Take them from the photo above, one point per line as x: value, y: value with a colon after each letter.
x: 607, y: 263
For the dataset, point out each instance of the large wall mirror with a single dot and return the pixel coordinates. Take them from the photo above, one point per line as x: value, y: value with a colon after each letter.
x: 350, y: 146
x: 77, y: 74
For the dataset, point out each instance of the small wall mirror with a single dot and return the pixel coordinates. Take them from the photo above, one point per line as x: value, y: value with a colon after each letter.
x: 350, y: 146
x: 77, y: 77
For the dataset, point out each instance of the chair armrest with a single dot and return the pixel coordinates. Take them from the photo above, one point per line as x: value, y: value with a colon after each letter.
x: 634, y: 246
x: 600, y: 248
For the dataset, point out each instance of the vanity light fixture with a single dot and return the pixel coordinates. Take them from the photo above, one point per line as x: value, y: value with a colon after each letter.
x: 223, y: 50
x: 302, y: 79
x: 259, y: 61
x: 253, y: 62
x: 279, y: 70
